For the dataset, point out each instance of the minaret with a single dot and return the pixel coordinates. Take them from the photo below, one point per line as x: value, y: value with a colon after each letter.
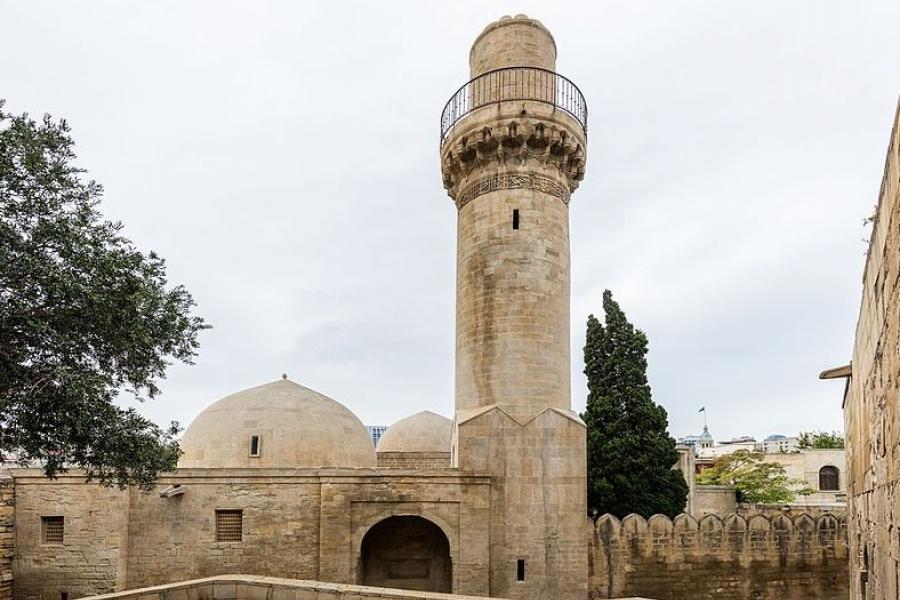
x: 513, y: 143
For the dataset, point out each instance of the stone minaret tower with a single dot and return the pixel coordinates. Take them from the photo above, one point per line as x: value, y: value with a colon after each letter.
x: 513, y: 144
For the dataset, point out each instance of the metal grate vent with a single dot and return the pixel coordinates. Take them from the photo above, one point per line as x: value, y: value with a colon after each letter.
x: 229, y: 525
x: 52, y: 530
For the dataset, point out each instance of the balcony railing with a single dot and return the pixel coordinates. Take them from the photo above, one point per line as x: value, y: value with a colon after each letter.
x: 512, y: 84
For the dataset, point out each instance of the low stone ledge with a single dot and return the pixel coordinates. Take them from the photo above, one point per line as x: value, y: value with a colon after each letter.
x: 252, y: 587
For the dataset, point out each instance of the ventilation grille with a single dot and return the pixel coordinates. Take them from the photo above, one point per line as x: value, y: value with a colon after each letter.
x: 52, y: 530
x: 229, y: 525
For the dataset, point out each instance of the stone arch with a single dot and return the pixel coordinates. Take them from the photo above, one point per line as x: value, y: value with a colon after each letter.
x: 406, y: 552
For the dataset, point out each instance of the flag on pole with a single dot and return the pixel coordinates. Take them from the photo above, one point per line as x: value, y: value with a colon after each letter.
x: 702, y: 409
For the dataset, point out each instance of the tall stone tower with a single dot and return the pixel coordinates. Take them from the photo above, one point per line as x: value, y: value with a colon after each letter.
x: 513, y: 143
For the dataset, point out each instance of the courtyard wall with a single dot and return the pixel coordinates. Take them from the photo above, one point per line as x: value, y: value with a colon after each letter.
x: 7, y: 535
x: 299, y: 523
x: 734, y: 558
x: 871, y: 402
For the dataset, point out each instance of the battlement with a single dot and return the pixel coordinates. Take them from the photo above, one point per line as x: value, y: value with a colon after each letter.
x: 731, y: 558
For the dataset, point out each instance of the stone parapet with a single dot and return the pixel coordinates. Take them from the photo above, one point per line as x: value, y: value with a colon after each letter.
x: 730, y: 558
x: 250, y: 587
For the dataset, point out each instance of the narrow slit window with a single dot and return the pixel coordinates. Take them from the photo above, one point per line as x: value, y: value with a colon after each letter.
x: 64, y: 596
x: 515, y: 218
x: 52, y: 530
x: 520, y: 569
x: 254, y: 445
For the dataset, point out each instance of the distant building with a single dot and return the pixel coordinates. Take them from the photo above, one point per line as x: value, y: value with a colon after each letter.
x: 779, y: 444
x: 704, y: 440
x: 823, y: 470
x: 375, y: 432
x: 727, y: 447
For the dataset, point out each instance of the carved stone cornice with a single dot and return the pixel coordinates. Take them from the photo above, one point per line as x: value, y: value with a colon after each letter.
x: 492, y: 157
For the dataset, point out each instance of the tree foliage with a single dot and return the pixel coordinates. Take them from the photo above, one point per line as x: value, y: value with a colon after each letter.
x: 83, y: 316
x: 630, y: 453
x: 755, y: 480
x: 820, y: 440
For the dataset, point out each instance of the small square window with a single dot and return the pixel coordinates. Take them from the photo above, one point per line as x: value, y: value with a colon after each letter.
x: 229, y: 525
x: 254, y: 445
x: 52, y: 530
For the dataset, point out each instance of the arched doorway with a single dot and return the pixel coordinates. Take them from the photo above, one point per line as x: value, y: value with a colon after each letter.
x: 406, y: 552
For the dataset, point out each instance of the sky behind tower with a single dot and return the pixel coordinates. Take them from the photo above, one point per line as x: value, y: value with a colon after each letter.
x: 283, y: 157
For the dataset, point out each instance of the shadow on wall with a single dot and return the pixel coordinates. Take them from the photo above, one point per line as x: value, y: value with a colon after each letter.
x: 732, y: 558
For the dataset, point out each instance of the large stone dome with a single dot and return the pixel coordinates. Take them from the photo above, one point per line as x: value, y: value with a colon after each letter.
x: 293, y: 426
x: 421, y: 432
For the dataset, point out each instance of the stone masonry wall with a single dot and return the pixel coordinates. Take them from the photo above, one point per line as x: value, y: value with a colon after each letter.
x: 91, y: 558
x: 298, y: 523
x: 714, y: 559
x: 7, y: 535
x: 870, y: 404
x: 414, y: 460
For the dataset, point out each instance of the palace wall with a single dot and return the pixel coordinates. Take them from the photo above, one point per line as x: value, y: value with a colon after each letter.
x: 871, y: 401
x: 732, y: 559
x: 296, y: 523
x: 7, y: 535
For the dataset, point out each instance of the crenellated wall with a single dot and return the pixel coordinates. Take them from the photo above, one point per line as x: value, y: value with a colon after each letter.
x: 735, y: 558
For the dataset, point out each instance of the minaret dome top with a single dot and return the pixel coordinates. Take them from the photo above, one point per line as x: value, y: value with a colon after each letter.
x: 512, y: 42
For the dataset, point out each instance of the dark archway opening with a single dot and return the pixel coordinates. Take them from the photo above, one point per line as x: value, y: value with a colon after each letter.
x: 829, y: 479
x: 406, y: 552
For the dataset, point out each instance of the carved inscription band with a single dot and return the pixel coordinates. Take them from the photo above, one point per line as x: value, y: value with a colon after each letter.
x: 512, y: 181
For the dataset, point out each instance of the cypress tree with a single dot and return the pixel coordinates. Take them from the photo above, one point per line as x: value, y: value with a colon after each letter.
x: 630, y: 455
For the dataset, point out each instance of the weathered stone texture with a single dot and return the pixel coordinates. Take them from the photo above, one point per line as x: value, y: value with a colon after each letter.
x: 512, y: 309
x: 414, y: 460
x: 871, y: 403
x: 7, y: 535
x: 512, y: 42
x: 537, y: 501
x: 732, y: 559
x: 304, y: 523
x: 713, y: 500
x: 92, y: 557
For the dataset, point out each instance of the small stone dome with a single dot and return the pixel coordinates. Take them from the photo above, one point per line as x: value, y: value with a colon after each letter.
x: 422, y: 432
x: 279, y: 424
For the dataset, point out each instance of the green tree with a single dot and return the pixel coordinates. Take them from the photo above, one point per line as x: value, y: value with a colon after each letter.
x: 820, y: 440
x: 630, y: 455
x: 754, y: 479
x: 83, y: 316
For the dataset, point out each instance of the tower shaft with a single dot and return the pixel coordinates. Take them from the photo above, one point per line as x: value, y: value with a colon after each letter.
x: 513, y: 145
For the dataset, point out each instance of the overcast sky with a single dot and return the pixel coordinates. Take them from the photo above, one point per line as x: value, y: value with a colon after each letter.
x: 283, y: 157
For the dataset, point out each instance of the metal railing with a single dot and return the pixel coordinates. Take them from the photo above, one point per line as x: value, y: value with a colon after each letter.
x: 513, y: 84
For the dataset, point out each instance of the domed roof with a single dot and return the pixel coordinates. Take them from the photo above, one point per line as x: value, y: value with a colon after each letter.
x: 296, y: 427
x: 422, y: 432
